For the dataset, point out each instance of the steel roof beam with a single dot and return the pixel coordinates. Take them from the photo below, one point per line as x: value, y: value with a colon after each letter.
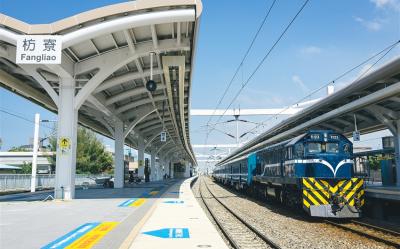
x: 388, y: 123
x: 128, y: 94
x: 357, y: 104
x: 139, y: 20
x: 387, y: 112
x: 141, y: 116
x: 137, y: 103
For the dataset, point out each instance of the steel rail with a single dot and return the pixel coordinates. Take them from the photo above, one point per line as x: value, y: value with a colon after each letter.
x: 382, y: 229
x: 364, y: 234
x: 220, y: 226
x: 248, y: 225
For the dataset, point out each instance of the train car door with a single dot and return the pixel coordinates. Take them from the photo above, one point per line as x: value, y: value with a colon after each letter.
x: 251, y: 166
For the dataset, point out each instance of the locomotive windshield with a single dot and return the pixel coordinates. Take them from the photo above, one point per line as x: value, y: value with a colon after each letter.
x: 314, y: 147
x: 332, y: 147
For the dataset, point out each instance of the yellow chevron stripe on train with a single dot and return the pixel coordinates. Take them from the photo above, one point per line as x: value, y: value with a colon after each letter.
x: 333, y: 198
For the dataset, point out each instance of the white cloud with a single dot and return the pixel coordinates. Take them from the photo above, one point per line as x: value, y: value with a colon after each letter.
x: 374, y: 25
x: 311, y: 50
x: 392, y: 4
x: 296, y: 79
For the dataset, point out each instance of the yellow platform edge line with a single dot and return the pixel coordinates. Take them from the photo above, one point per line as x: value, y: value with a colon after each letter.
x: 138, y: 202
x: 92, y: 237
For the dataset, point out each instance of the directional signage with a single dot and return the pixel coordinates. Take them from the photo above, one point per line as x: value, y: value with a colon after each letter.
x: 39, y: 49
x: 170, y: 233
x: 163, y: 136
x: 356, y: 136
x: 64, y: 144
x: 174, y: 202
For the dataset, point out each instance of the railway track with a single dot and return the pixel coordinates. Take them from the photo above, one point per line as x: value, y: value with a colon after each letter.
x: 383, y: 235
x: 237, y: 231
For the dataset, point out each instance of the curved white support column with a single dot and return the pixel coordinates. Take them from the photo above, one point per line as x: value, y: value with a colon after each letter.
x: 67, y: 129
x: 141, y: 156
x: 119, y: 155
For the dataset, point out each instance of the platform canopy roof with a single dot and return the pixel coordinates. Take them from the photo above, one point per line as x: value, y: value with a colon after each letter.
x: 107, y: 52
x: 372, y: 100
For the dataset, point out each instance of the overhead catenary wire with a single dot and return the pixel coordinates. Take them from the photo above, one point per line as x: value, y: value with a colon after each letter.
x: 385, y: 51
x: 24, y: 118
x: 243, y: 59
x: 263, y: 59
x: 244, y: 84
x: 240, y: 65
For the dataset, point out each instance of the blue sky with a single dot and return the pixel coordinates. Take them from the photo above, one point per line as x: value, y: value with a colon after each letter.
x: 328, y: 38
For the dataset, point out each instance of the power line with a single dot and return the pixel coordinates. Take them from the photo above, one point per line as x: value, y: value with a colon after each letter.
x: 243, y: 59
x: 264, y: 58
x: 23, y: 118
x: 240, y: 65
x: 387, y: 49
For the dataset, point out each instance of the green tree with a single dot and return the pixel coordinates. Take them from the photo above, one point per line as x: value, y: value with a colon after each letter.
x: 91, y: 156
x: 26, y: 168
x: 18, y: 149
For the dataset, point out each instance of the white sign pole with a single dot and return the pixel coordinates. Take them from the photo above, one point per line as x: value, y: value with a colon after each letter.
x: 34, y: 152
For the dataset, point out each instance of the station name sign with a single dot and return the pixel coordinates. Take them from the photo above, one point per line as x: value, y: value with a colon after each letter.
x: 39, y: 49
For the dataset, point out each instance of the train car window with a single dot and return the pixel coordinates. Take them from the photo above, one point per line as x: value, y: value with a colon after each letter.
x: 332, y: 147
x: 314, y: 147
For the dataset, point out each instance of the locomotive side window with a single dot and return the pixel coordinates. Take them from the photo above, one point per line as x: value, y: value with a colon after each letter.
x: 332, y: 147
x: 299, y: 150
x: 314, y: 147
x: 289, y: 152
x: 346, y: 148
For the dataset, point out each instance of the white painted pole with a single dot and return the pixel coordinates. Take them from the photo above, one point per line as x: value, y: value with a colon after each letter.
x: 237, y: 130
x: 34, y: 152
x: 151, y: 65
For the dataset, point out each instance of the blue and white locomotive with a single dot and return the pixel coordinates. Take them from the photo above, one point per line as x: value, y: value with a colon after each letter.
x: 313, y: 170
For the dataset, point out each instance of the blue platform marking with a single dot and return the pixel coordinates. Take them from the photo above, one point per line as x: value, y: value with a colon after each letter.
x: 127, y: 202
x: 174, y: 202
x: 70, y: 237
x: 170, y: 233
x: 176, y: 192
x: 144, y: 195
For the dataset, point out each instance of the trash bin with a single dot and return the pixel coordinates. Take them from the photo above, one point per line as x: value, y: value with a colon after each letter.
x: 387, y: 173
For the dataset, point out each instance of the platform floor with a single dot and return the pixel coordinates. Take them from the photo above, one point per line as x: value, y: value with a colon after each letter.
x: 39, y: 223
x: 383, y: 192
x: 108, y: 218
x: 177, y: 222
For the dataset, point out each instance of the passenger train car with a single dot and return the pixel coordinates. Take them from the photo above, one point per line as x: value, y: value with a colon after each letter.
x: 313, y: 170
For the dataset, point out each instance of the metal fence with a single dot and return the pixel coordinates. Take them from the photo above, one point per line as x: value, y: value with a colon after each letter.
x: 12, y: 182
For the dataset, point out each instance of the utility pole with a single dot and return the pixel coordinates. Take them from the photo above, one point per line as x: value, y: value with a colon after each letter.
x: 237, y: 129
x: 35, y: 152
